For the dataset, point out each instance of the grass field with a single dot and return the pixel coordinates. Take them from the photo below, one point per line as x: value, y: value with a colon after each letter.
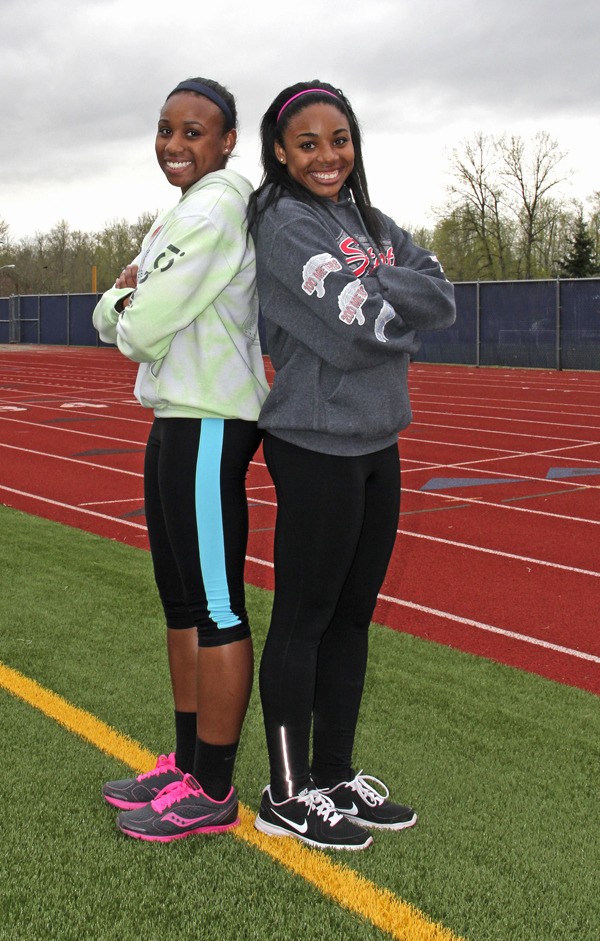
x: 502, y: 767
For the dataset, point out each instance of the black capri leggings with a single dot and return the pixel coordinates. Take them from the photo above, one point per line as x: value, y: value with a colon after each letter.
x: 197, y: 514
x: 336, y: 524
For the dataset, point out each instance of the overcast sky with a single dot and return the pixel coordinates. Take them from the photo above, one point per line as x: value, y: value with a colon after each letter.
x: 83, y: 84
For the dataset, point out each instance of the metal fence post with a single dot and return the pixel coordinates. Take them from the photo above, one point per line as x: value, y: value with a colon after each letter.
x: 558, y: 327
x: 478, y: 326
x: 14, y: 319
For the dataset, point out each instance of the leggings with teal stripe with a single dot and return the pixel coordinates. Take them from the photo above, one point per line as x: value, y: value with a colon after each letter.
x: 197, y: 515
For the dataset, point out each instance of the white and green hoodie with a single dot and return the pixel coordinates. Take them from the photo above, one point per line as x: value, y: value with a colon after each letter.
x: 192, y: 320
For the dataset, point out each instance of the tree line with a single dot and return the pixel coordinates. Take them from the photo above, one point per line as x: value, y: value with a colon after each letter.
x: 62, y: 260
x: 505, y: 218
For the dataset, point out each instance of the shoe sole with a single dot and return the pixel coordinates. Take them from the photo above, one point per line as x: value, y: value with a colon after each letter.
x: 403, y: 825
x: 152, y: 838
x: 272, y: 829
x: 124, y: 805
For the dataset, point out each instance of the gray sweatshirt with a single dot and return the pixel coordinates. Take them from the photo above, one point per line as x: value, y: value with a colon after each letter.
x: 341, y: 320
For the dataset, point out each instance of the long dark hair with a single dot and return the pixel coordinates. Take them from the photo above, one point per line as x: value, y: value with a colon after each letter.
x: 272, y: 129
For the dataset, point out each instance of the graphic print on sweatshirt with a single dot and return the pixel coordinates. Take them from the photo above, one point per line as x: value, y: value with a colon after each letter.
x: 386, y: 314
x: 360, y: 258
x: 350, y: 302
x: 316, y: 270
x: 162, y: 262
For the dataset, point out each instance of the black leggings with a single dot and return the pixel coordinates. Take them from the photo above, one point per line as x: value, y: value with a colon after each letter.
x: 197, y: 515
x: 336, y: 524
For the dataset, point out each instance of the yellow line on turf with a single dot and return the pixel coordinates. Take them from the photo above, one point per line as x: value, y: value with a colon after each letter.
x: 77, y: 720
x: 382, y: 908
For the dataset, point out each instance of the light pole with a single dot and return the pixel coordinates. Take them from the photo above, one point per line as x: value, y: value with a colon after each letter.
x: 12, y: 278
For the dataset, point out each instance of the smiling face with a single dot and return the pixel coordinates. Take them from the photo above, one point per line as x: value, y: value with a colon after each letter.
x: 190, y: 141
x: 317, y: 149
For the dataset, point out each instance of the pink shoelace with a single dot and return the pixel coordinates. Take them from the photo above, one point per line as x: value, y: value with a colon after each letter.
x: 175, y: 792
x: 163, y: 763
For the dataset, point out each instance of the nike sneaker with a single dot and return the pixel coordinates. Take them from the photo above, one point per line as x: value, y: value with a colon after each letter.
x: 312, y: 818
x: 364, y: 804
x: 181, y: 809
x: 133, y: 793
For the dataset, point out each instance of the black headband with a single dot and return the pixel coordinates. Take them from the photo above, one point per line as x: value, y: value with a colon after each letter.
x: 208, y: 93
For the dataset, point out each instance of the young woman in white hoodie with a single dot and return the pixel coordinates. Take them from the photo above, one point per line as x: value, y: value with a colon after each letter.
x: 186, y: 309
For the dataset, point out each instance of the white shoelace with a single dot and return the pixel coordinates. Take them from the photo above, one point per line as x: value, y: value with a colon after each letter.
x: 320, y: 803
x: 364, y: 789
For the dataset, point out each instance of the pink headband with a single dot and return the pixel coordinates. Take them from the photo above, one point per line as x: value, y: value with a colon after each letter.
x: 307, y: 91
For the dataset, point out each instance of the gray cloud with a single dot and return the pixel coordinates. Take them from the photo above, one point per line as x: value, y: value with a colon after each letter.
x: 86, y: 81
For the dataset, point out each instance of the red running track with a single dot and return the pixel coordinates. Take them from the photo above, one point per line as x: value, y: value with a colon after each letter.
x: 498, y: 552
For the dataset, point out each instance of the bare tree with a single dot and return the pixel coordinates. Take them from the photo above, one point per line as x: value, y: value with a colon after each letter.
x: 4, y: 236
x: 594, y: 222
x: 529, y: 173
x: 477, y: 193
x: 502, y: 208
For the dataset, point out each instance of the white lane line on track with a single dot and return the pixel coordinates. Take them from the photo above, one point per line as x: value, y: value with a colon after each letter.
x: 508, y: 433
x: 558, y: 419
x: 498, y: 552
x: 503, y: 506
x: 442, y: 496
x: 47, y: 406
x: 138, y: 499
x: 471, y: 465
x: 568, y: 651
x: 116, y: 470
x: 70, y: 460
x: 512, y: 635
x: 501, y: 454
x: 50, y: 426
x: 74, y: 509
x: 513, y: 404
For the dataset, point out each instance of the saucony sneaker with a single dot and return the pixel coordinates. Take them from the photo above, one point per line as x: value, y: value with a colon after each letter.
x: 181, y: 808
x: 132, y: 793
x: 360, y: 802
x: 312, y: 818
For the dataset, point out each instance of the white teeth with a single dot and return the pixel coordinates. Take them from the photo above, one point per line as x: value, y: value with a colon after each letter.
x: 326, y: 176
x: 177, y: 166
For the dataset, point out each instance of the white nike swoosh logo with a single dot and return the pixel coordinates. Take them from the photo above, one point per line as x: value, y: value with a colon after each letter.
x: 300, y: 827
x: 351, y: 810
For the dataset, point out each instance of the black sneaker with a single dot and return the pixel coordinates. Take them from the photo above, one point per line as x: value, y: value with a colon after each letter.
x: 359, y: 801
x: 312, y: 818
x: 133, y: 793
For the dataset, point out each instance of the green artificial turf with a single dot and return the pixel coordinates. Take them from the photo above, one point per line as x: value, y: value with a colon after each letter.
x: 501, y: 766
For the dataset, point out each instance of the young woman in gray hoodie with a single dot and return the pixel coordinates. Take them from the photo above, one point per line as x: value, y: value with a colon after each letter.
x: 343, y: 292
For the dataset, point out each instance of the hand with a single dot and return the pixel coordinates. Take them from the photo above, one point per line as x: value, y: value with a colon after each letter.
x: 128, y: 277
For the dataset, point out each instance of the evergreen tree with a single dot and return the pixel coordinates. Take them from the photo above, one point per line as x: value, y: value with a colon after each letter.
x: 580, y: 262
